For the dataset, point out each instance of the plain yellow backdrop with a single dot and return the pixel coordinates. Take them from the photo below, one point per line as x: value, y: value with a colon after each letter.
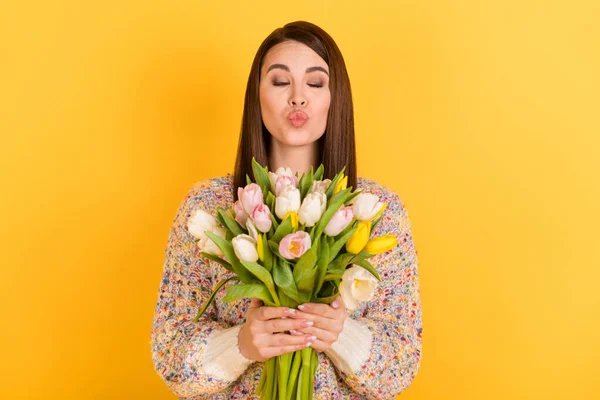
x: 482, y: 115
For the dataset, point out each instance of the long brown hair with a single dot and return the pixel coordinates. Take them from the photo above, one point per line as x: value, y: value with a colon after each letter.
x: 337, y: 146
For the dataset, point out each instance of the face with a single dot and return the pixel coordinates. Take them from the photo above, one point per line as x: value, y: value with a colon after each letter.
x: 294, y: 93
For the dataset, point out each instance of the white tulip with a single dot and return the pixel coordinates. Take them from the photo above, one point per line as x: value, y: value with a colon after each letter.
x: 208, y: 246
x: 358, y: 284
x: 245, y: 248
x: 320, y: 186
x: 287, y: 201
x: 199, y: 222
x: 280, y: 172
x: 312, y: 208
x: 365, y: 206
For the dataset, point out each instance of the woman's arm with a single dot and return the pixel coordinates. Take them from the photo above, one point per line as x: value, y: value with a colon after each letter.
x: 379, y: 352
x: 193, y: 358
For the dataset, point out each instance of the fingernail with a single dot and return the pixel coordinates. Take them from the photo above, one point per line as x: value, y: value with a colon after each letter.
x: 293, y: 331
x: 308, y: 344
x: 307, y: 323
x: 335, y: 303
x: 302, y: 307
x: 312, y: 338
x: 291, y: 310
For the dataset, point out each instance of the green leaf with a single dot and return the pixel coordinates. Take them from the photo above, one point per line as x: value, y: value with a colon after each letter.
x: 268, y: 255
x: 352, y: 195
x: 247, y: 290
x: 322, y: 264
x: 331, y: 277
x: 212, y: 296
x: 304, y: 273
x: 376, y: 222
x: 263, y: 275
x: 318, y: 176
x: 368, y: 266
x: 306, y: 183
x: 284, y: 279
x: 227, y: 249
x: 261, y: 177
x: 326, y: 300
x: 248, y: 180
x: 230, y: 223
x: 270, y: 202
x: 215, y: 258
x: 285, y: 228
x: 337, y: 246
x: 334, y: 182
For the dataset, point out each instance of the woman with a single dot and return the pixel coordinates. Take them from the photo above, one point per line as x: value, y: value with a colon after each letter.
x: 297, y: 114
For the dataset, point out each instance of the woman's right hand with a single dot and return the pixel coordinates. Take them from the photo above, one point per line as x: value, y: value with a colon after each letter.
x: 259, y: 339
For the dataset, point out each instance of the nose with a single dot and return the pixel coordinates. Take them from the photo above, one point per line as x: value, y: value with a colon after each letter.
x: 297, y: 98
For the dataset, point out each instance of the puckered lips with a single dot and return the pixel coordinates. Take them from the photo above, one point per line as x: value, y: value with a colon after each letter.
x: 298, y: 118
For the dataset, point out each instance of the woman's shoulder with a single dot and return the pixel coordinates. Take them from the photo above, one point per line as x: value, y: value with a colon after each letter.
x: 211, y: 192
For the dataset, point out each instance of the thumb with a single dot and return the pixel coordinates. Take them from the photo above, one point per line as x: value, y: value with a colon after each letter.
x: 255, y: 303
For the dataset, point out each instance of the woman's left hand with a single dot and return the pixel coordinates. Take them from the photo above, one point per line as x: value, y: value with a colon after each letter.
x: 328, y: 322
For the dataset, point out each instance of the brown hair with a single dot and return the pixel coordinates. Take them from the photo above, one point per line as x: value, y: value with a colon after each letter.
x: 337, y: 146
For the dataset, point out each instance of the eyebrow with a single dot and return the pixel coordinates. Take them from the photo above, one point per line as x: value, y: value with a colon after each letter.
x: 308, y: 70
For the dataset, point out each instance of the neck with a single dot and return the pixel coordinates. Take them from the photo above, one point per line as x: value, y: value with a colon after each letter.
x: 297, y: 158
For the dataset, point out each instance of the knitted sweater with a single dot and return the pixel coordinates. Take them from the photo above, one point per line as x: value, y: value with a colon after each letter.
x: 376, y: 356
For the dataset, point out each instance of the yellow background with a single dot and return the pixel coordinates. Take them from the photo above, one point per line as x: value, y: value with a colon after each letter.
x: 482, y: 115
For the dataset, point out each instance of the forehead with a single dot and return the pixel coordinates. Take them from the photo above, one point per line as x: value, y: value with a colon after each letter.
x: 297, y: 56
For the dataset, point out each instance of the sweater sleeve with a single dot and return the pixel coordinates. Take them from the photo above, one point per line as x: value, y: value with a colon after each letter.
x: 193, y: 358
x: 393, y: 317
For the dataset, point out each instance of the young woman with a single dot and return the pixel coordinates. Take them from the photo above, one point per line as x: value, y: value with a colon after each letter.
x: 298, y: 113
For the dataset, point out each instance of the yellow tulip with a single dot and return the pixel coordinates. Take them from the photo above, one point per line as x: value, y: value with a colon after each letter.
x: 381, y: 244
x: 294, y: 216
x: 359, y: 238
x: 260, y: 249
x: 341, y: 185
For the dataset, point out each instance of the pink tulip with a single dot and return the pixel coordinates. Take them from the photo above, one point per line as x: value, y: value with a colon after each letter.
x: 250, y: 197
x: 262, y: 217
x: 340, y: 220
x: 283, y: 181
x: 294, y: 245
x: 240, y: 214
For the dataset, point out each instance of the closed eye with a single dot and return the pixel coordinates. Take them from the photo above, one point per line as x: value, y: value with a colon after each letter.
x: 315, y: 85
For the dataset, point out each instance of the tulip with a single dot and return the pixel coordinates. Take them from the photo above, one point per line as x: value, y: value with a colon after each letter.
x: 284, y: 181
x: 261, y: 216
x: 294, y: 245
x: 279, y: 173
x: 260, y: 249
x: 381, y: 244
x: 340, y: 221
x: 341, y: 184
x: 366, y: 206
x: 245, y: 248
x: 199, y: 222
x: 312, y: 208
x: 240, y: 214
x: 359, y: 238
x: 287, y: 201
x: 320, y: 186
x: 250, y: 196
x: 358, y: 284
x: 208, y: 246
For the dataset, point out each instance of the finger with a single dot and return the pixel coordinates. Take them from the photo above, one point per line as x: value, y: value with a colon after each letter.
x: 319, y: 345
x: 281, y: 339
x: 277, y: 351
x: 282, y: 325
x: 324, y: 310
x: 255, y: 303
x: 267, y: 313
x: 320, y: 334
x: 317, y: 320
x: 337, y: 303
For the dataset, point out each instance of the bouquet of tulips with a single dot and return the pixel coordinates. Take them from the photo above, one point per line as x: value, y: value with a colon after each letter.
x: 288, y: 240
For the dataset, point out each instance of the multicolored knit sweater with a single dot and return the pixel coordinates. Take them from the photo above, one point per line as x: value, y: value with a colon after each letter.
x: 376, y: 356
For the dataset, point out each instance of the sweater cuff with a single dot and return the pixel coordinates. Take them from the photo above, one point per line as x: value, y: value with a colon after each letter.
x: 222, y: 357
x: 351, y: 350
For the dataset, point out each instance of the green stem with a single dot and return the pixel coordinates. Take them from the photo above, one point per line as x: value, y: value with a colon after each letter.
x: 294, y: 372
x: 270, y: 385
x: 306, y: 381
x: 283, y: 369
